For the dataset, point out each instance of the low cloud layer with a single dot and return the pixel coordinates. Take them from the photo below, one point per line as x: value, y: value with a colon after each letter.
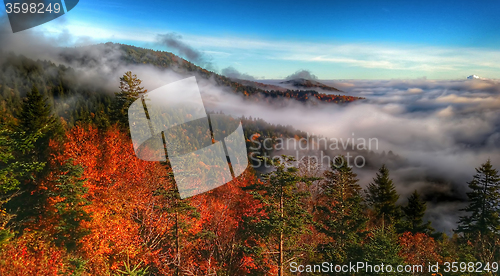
x: 441, y: 130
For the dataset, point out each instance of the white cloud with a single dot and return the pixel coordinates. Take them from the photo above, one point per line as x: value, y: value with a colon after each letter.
x: 458, y: 61
x: 414, y: 90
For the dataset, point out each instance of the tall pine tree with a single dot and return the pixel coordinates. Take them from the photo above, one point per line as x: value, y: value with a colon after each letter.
x: 339, y: 213
x: 382, y: 197
x: 36, y: 117
x: 484, y: 202
x: 481, y: 225
x: 130, y: 90
x: 286, y: 217
x: 69, y: 210
x: 37, y: 125
x: 414, y: 213
x: 13, y: 172
x: 382, y: 247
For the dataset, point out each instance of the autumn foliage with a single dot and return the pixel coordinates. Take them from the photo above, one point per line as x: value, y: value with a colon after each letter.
x: 76, y: 200
x: 32, y: 255
x: 419, y: 249
x: 129, y: 216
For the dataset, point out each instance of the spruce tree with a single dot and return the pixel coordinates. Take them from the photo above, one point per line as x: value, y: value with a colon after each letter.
x: 69, y: 186
x: 286, y: 217
x: 382, y: 247
x: 382, y: 197
x: 36, y: 113
x: 5, y: 90
x: 13, y: 172
x: 339, y: 213
x: 36, y: 127
x: 36, y: 118
x: 414, y: 213
x: 481, y: 225
x: 130, y: 90
x: 484, y: 203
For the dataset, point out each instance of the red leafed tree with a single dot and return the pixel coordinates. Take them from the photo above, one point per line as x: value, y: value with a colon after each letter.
x: 221, y: 234
x: 31, y: 254
x: 119, y: 186
x: 418, y: 249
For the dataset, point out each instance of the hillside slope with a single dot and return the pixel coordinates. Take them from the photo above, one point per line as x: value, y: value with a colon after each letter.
x: 136, y: 55
x: 309, y: 84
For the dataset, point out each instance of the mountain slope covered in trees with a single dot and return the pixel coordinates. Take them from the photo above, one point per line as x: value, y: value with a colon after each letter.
x: 136, y: 55
x: 309, y: 84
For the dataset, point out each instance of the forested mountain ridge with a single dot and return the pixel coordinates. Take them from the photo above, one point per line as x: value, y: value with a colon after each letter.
x: 161, y: 59
x: 73, y: 98
x: 75, y: 101
x: 70, y: 98
x: 260, y: 85
x: 309, y: 84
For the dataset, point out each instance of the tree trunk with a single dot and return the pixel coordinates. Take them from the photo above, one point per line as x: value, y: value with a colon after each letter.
x: 281, y: 235
x: 177, y: 244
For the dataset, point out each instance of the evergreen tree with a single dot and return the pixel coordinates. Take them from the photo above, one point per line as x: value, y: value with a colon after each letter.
x: 70, y: 211
x: 339, y: 213
x: 414, y: 213
x: 130, y: 90
x: 453, y: 249
x: 286, y: 217
x: 5, y: 90
x: 382, y: 197
x: 38, y: 126
x: 382, y: 247
x: 14, y: 171
x: 36, y: 114
x: 484, y: 202
x: 36, y: 117
x: 481, y: 225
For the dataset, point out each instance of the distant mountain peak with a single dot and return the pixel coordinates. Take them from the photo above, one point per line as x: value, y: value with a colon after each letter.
x: 475, y: 77
x: 259, y: 85
x: 309, y: 84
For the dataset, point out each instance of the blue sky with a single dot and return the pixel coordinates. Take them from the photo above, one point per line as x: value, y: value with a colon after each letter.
x: 332, y: 39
